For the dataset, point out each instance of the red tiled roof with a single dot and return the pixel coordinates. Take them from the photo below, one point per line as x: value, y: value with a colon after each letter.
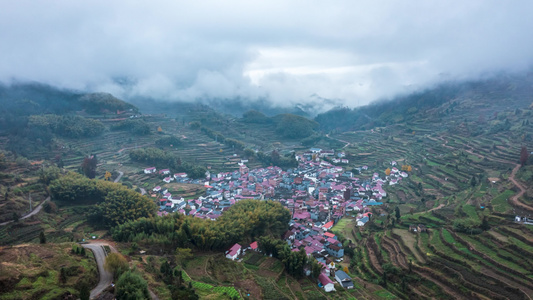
x: 328, y: 224
x: 253, y: 245
x: 329, y: 234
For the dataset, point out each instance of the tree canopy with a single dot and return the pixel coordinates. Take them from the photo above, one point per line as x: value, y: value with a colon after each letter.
x: 68, y: 126
x: 295, y: 127
x: 135, y: 126
x: 131, y: 286
x: 243, y: 222
x: 116, y: 204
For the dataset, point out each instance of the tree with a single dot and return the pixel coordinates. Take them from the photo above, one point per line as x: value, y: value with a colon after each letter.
x: 523, y: 155
x: 485, y: 224
x: 123, y: 205
x: 42, y: 238
x: 116, y: 264
x: 107, y: 175
x: 131, y: 286
x: 50, y: 207
x: 63, y: 275
x: 473, y: 181
x: 316, y: 268
x: 16, y: 217
x: 183, y: 255
x: 46, y: 175
x: 387, y: 172
x: 85, y: 293
x: 88, y: 166
x: 397, y: 212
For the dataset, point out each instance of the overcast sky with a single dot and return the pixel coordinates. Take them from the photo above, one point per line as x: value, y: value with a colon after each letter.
x: 285, y: 51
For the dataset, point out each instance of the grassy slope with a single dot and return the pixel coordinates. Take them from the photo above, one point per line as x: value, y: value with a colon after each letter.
x: 32, y: 271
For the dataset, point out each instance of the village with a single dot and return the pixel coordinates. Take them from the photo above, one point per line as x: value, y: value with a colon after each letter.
x: 317, y: 193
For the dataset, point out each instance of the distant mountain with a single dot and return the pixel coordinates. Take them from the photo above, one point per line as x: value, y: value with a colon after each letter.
x: 505, y: 92
x: 24, y: 99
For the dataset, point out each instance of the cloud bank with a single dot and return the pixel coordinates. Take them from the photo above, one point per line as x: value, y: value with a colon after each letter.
x: 287, y: 52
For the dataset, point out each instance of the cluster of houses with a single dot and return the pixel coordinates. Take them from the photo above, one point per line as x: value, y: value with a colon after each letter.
x: 317, y: 193
x: 328, y: 267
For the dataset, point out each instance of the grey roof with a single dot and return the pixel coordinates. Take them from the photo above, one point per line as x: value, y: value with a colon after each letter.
x: 342, y: 275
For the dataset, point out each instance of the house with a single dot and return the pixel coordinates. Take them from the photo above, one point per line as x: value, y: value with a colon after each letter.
x: 325, y: 283
x: 335, y: 250
x: 150, y: 170
x: 234, y: 252
x: 344, y: 280
x: 164, y: 171
x: 168, y: 179
x: 328, y: 225
x: 156, y: 189
x: 180, y: 175
x: 254, y: 246
x: 418, y: 228
x: 362, y: 221
x: 421, y: 228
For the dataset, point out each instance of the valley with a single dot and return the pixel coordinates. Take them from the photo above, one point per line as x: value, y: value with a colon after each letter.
x: 448, y: 230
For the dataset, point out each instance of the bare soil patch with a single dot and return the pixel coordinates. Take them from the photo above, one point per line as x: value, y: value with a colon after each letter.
x: 265, y: 269
x: 249, y: 287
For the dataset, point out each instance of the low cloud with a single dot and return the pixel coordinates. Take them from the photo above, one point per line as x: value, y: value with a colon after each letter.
x: 288, y: 52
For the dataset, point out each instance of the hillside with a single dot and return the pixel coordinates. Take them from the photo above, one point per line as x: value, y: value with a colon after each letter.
x: 438, y: 105
x: 461, y: 143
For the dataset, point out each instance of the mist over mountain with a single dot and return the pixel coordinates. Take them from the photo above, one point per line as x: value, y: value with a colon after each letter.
x: 276, y: 54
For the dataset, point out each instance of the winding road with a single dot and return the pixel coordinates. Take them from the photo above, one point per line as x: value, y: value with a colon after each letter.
x: 106, y: 278
x: 514, y: 199
x: 34, y: 212
x: 347, y: 143
x: 120, y: 173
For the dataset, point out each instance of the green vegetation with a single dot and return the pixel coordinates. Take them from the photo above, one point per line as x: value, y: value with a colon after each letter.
x: 33, y: 272
x: 243, y: 222
x: 135, y: 126
x: 116, y: 204
x: 131, y: 285
x: 162, y: 159
x: 500, y: 203
x: 67, y: 126
x: 294, y: 127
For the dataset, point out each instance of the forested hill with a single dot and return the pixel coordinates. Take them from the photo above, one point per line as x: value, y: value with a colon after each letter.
x: 32, y: 115
x: 505, y: 92
x: 26, y: 99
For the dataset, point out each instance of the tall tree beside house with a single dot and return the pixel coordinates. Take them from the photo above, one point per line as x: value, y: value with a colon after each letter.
x: 88, y: 166
x: 523, y: 155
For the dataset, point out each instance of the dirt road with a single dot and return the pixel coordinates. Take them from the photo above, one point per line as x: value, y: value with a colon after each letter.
x: 347, y: 143
x: 514, y: 199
